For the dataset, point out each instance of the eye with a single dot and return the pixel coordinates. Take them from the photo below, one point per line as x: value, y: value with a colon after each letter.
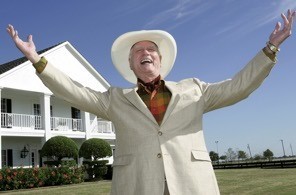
x: 151, y: 49
x: 139, y: 50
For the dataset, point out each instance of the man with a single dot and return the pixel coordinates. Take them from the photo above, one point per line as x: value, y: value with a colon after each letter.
x: 160, y: 146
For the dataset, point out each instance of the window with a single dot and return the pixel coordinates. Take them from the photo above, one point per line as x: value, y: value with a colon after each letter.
x: 76, y: 124
x: 37, y: 113
x: 37, y: 110
x: 51, y: 111
x: 5, y: 105
x: 6, y: 117
x: 33, y: 159
x: 4, y: 158
x: 75, y: 113
x: 51, y: 119
x: 7, y: 159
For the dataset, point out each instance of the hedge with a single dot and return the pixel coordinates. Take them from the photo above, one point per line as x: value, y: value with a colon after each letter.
x: 22, y: 178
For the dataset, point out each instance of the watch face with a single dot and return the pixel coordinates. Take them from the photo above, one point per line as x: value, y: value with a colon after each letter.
x: 273, y: 48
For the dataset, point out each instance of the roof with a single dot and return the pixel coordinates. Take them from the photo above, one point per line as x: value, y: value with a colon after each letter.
x: 12, y: 64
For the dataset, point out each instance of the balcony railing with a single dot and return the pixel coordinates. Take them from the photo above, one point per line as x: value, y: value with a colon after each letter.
x: 65, y: 124
x: 34, y: 122
x: 102, y: 126
x: 23, y: 121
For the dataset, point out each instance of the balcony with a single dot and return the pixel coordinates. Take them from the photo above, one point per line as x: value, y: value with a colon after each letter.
x: 66, y: 124
x: 21, y: 121
x: 32, y: 125
x: 102, y: 126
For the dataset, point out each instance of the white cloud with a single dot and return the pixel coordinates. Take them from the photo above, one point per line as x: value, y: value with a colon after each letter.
x: 257, y: 17
x: 247, y: 18
x: 178, y: 13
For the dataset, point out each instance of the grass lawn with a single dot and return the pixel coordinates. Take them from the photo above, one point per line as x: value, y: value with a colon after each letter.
x: 231, y: 181
x: 257, y: 181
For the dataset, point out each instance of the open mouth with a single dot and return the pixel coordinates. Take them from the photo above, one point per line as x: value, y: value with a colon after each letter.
x: 146, y: 61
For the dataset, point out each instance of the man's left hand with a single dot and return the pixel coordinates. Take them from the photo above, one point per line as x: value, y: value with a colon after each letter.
x: 278, y: 36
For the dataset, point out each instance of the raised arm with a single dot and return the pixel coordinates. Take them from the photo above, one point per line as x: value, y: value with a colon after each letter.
x: 27, y: 48
x: 230, y: 91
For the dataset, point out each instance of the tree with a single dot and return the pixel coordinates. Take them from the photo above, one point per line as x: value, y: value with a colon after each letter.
x: 214, y: 156
x: 258, y: 157
x: 268, y: 154
x: 223, y: 157
x: 59, y: 147
x: 93, y: 150
x: 241, y: 154
x: 231, y: 155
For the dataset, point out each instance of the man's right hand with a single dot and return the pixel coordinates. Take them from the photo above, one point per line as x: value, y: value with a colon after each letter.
x: 27, y: 48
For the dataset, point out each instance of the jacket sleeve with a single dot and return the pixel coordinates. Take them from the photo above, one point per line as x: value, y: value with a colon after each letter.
x: 228, y: 92
x: 73, y: 92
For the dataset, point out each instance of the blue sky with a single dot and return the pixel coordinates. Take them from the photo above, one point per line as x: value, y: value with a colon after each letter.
x: 215, y: 39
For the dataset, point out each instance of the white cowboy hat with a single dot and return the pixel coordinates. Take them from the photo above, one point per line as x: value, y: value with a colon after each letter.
x: 122, y: 45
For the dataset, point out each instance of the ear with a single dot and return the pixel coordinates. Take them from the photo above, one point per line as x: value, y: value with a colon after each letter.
x: 129, y: 60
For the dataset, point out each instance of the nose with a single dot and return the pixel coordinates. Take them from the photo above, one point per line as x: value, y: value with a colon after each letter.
x: 146, y: 51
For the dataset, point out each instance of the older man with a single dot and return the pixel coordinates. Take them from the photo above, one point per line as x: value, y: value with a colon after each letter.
x: 160, y: 147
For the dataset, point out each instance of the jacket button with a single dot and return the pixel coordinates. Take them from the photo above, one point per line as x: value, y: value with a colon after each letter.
x: 159, y: 133
x: 158, y: 155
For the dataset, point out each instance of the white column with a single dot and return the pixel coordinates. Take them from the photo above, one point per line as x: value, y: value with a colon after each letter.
x: 45, y: 110
x: 86, y: 124
x: 0, y: 134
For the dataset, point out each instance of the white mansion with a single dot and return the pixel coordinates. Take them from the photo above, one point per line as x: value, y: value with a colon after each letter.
x: 31, y: 114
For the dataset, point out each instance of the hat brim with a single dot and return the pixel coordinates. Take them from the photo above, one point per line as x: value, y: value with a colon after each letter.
x: 122, y: 45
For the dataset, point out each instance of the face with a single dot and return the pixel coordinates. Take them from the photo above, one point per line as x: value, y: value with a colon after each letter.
x: 145, y: 60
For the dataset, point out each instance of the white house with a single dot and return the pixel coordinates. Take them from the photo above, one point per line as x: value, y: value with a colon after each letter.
x: 31, y: 114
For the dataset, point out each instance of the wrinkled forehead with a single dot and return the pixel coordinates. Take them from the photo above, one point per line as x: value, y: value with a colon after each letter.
x: 139, y: 43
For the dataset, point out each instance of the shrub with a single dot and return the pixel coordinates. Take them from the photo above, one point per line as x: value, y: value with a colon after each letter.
x: 95, y: 149
x: 20, y: 178
x: 96, y: 169
x: 56, y: 163
x: 60, y: 147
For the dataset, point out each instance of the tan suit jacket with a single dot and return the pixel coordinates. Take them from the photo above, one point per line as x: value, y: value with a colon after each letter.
x: 145, y: 151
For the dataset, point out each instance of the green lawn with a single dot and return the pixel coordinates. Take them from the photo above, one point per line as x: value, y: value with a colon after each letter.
x: 231, y: 181
x: 257, y: 181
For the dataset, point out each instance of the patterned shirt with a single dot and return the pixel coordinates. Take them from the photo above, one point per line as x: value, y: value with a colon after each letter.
x: 156, y: 96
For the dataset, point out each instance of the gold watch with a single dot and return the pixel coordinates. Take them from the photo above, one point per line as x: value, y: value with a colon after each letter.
x: 272, y: 47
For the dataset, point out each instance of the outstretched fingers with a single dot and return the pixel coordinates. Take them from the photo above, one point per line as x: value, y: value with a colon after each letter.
x: 30, y: 39
x: 11, y: 31
x: 288, y: 20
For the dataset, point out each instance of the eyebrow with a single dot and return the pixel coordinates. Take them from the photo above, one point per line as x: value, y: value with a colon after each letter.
x: 144, y: 40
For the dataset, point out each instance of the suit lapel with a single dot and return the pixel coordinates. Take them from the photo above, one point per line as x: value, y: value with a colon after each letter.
x: 174, y: 89
x: 133, y: 97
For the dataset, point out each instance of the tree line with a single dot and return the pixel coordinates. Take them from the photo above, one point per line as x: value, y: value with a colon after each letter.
x: 232, y: 155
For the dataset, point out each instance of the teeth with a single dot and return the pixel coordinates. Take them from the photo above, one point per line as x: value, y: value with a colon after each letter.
x: 146, y: 60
